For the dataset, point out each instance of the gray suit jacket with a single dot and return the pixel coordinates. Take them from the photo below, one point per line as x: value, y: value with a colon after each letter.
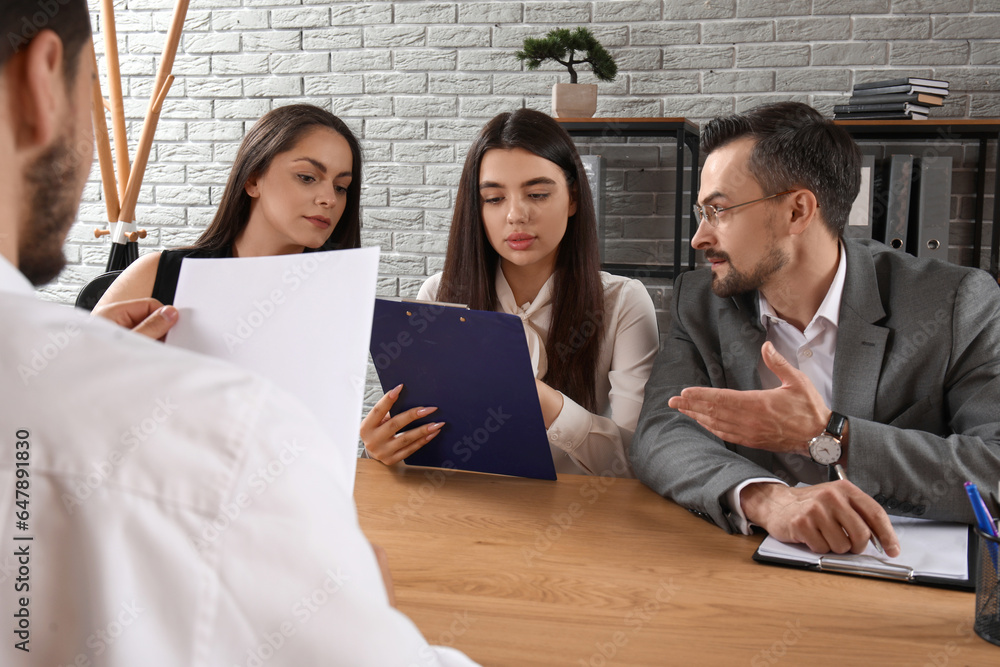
x: 917, y: 370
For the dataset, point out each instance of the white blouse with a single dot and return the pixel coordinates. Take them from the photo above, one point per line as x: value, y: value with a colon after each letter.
x: 583, y: 442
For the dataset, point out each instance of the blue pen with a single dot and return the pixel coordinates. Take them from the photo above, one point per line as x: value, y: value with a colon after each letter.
x: 983, y: 517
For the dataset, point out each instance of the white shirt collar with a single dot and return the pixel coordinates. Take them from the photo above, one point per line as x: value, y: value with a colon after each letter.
x: 828, y: 310
x: 505, y: 295
x: 12, y: 280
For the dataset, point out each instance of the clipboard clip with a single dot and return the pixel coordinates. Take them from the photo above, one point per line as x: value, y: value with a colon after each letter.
x: 883, y: 570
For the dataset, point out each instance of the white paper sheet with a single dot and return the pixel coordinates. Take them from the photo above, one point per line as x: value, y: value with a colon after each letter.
x: 303, y: 321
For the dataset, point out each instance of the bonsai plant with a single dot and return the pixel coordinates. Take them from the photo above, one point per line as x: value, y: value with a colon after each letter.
x: 569, y: 48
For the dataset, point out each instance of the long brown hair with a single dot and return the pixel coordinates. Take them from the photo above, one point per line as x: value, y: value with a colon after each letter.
x: 470, y: 266
x: 276, y: 132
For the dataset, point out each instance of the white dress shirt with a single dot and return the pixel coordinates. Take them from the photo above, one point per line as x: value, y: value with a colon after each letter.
x: 177, y: 510
x: 812, y: 351
x: 584, y: 442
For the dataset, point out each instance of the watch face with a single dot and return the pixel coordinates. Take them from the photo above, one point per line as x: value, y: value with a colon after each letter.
x: 824, y: 449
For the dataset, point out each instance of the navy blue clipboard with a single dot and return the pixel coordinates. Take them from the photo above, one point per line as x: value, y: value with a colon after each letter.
x: 475, y: 367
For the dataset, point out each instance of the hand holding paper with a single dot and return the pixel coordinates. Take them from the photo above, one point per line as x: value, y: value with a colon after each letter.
x: 147, y: 316
x: 303, y: 321
x: 473, y: 368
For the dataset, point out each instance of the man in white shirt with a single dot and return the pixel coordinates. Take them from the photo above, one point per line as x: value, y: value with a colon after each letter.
x: 800, y: 349
x: 159, y: 508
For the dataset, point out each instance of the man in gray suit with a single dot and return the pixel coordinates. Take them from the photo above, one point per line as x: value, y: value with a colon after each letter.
x: 800, y: 349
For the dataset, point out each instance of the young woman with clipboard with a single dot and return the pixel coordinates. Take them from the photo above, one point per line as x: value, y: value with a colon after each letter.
x: 295, y: 185
x: 524, y: 241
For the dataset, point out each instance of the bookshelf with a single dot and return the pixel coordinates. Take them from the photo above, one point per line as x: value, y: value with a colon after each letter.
x: 949, y: 131
x: 686, y: 150
x: 617, y: 131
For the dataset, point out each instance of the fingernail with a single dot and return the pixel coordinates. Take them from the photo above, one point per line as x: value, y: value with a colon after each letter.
x: 169, y: 313
x: 435, y: 426
x: 395, y: 390
x: 425, y: 411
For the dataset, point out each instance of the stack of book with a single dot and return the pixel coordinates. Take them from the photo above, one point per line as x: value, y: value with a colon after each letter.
x: 896, y: 99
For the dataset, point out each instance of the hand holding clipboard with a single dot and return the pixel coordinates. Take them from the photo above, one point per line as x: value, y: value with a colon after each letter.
x: 474, y: 366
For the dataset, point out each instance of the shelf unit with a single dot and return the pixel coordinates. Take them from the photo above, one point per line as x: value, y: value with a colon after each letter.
x: 686, y: 135
x: 982, y: 130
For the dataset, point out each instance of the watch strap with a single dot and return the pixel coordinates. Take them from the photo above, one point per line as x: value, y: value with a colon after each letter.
x: 845, y: 444
x: 835, y: 426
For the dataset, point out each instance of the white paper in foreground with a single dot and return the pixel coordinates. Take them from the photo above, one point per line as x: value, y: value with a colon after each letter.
x: 303, y: 321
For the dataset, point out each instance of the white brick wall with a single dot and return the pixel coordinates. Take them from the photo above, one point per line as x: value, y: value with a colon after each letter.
x: 416, y: 80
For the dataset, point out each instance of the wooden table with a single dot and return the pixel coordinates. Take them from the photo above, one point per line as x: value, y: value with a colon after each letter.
x: 593, y: 571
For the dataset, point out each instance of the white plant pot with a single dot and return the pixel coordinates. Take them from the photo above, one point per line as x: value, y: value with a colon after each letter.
x: 574, y: 100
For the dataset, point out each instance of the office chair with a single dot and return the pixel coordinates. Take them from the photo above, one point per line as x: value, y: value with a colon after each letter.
x: 95, y: 289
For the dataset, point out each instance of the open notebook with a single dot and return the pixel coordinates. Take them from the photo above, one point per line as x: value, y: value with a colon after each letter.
x: 932, y: 552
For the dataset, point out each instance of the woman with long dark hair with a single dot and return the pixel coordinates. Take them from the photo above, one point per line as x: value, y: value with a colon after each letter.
x: 524, y: 241
x: 295, y: 186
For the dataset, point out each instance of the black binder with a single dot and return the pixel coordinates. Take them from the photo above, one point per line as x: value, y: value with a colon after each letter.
x: 898, y: 201
x: 474, y: 366
x: 866, y: 566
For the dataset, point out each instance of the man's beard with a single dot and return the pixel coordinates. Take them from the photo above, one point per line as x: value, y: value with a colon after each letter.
x: 53, y: 184
x: 736, y: 282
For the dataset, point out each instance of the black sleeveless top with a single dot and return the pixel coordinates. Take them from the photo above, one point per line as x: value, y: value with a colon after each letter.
x: 169, y: 269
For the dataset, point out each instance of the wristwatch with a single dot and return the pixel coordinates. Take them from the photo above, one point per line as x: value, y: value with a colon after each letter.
x: 826, y: 448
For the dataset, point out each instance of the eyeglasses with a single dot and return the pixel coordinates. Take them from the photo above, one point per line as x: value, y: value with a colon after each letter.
x: 711, y: 213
